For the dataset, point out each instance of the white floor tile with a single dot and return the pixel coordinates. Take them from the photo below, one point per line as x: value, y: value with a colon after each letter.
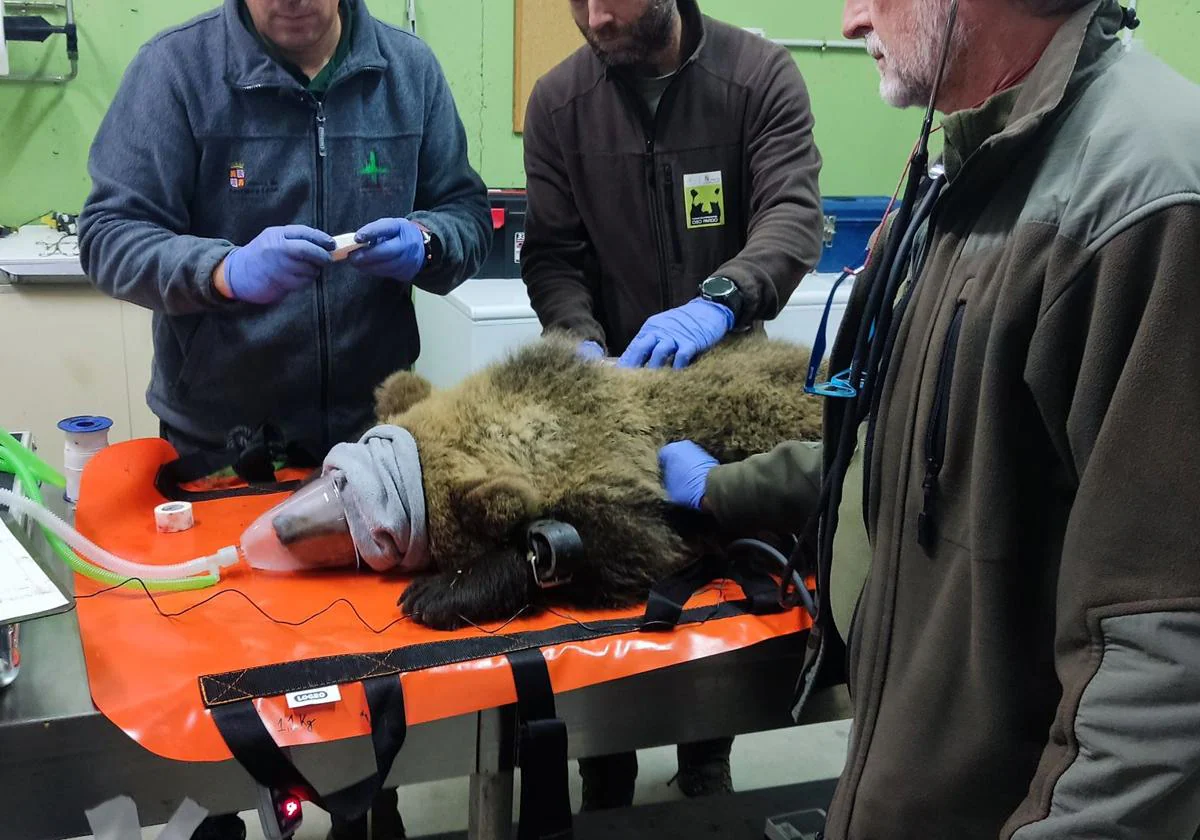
x: 766, y: 759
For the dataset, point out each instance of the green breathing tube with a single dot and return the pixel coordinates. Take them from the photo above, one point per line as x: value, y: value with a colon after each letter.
x: 40, y: 470
x: 29, y: 470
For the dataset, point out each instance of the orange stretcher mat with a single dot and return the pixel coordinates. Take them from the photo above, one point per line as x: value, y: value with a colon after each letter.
x: 145, y: 669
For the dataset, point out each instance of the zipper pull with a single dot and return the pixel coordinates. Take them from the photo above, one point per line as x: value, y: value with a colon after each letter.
x: 926, y: 526
x: 321, y: 129
x: 673, y: 227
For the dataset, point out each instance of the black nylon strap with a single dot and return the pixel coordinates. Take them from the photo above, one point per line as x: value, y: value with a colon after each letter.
x: 761, y: 590
x: 541, y: 752
x: 282, y: 678
x: 250, y: 453
x: 665, y: 609
x: 252, y: 745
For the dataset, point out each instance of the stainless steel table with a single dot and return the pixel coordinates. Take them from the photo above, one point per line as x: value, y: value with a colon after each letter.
x: 59, y: 756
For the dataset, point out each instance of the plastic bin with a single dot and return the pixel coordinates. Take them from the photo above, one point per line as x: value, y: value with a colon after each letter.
x: 849, y: 223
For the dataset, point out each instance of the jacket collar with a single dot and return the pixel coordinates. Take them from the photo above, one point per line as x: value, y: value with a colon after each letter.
x: 247, y: 65
x: 1081, y: 49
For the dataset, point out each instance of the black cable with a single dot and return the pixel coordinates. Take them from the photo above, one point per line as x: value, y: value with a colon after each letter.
x: 823, y: 520
x: 785, y: 564
x: 34, y: 219
x: 881, y: 351
x: 822, y: 523
x: 248, y: 600
x: 498, y: 631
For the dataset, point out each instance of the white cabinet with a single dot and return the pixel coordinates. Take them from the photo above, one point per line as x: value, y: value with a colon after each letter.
x: 477, y: 323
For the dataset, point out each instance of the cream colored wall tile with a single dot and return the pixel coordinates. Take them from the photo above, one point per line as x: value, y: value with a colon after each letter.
x: 139, y: 357
x: 64, y: 355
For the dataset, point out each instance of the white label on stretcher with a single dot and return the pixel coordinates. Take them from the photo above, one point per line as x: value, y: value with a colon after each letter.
x: 313, y: 697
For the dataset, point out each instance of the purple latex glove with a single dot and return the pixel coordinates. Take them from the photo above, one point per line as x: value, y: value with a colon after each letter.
x: 685, y: 467
x: 590, y: 351
x: 683, y: 332
x: 277, y: 261
x: 397, y: 249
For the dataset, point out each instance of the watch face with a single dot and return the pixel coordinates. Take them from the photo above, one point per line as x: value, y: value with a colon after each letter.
x: 717, y: 286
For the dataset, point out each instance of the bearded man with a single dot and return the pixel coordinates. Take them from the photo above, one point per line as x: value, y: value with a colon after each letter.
x: 672, y: 189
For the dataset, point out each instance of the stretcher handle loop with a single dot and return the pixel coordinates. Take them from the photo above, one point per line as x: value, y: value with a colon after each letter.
x: 252, y: 745
x: 541, y: 752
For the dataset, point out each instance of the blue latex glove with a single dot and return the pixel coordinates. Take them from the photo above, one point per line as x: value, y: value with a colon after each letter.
x: 277, y: 261
x: 398, y: 249
x: 683, y: 332
x: 685, y: 467
x: 590, y: 351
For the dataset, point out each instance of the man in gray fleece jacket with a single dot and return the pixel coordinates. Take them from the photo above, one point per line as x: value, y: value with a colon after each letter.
x: 237, y: 146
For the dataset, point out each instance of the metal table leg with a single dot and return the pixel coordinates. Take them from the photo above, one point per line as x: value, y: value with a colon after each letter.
x: 491, y: 808
x: 491, y: 814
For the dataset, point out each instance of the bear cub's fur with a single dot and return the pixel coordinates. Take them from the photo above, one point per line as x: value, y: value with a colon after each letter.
x: 546, y: 435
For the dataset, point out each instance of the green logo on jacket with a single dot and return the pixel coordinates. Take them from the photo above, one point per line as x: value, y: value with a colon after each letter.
x: 373, y: 170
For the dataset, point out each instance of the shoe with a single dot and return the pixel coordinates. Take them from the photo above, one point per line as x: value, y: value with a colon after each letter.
x: 608, y: 781
x: 221, y: 827
x: 384, y: 822
x: 704, y: 768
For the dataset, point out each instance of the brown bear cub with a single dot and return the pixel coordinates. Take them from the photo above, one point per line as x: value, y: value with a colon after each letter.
x: 546, y: 435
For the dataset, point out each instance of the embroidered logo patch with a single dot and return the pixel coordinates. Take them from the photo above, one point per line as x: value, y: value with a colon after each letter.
x: 237, y: 175
x: 372, y: 171
x: 704, y: 199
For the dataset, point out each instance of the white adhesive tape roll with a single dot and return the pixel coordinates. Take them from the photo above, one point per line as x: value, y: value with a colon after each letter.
x: 172, y: 517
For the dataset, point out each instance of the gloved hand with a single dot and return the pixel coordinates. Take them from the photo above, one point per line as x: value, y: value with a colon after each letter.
x: 277, y: 261
x: 685, y: 467
x: 685, y: 332
x: 398, y: 249
x: 590, y: 351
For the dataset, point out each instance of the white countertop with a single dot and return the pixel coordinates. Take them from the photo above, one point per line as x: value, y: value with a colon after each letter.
x: 484, y: 299
x: 36, y: 253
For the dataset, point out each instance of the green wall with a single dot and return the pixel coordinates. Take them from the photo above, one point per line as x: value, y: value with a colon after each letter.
x: 45, y: 130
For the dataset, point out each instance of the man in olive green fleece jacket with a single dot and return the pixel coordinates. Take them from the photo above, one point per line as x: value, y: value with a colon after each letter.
x: 1024, y: 656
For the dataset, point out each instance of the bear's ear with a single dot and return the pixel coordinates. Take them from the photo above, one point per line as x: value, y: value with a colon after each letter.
x: 498, y: 504
x: 400, y: 392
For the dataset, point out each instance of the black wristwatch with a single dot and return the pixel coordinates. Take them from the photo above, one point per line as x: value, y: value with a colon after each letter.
x: 724, y: 291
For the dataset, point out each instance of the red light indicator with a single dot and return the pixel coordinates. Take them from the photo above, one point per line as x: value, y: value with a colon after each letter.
x: 291, y: 807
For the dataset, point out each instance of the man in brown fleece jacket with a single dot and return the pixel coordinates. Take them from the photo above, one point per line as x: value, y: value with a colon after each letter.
x: 672, y: 187
x: 672, y: 182
x: 1023, y: 501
